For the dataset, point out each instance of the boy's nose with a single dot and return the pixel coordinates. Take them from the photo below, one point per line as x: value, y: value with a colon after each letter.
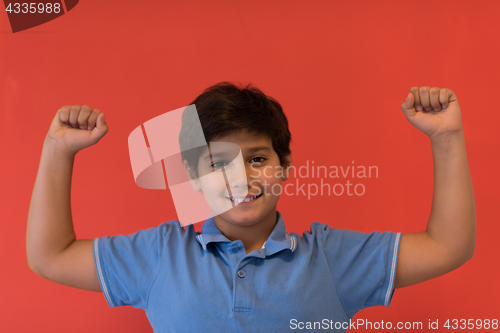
x: 237, y: 177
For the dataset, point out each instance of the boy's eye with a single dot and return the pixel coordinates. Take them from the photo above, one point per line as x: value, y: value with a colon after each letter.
x: 218, y: 165
x: 257, y: 160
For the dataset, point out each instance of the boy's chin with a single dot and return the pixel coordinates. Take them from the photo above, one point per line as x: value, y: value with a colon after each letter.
x: 244, y: 217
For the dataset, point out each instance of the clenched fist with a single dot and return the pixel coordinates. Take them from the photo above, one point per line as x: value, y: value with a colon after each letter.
x: 433, y: 111
x: 75, y: 128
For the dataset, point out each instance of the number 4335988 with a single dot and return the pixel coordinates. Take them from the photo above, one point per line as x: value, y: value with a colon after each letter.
x: 471, y: 324
x: 33, y: 7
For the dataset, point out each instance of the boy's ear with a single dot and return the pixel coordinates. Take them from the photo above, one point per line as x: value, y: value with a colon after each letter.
x: 286, y: 166
x: 192, y: 177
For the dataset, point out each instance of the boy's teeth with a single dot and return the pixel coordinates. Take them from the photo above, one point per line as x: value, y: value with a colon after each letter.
x: 238, y: 201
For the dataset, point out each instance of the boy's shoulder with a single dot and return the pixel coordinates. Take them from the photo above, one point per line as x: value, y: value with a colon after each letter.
x: 332, y: 240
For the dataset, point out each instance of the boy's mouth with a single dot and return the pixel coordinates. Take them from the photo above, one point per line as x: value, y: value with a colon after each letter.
x: 245, y: 200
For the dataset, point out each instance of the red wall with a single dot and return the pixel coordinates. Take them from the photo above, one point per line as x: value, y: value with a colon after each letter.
x: 340, y: 70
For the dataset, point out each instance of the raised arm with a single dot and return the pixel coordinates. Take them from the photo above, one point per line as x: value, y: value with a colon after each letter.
x: 51, y: 246
x: 449, y: 239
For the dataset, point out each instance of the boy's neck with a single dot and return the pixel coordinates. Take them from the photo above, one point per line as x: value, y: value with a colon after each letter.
x: 253, y: 237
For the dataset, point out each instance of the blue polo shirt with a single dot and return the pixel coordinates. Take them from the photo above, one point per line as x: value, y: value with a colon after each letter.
x: 202, y: 282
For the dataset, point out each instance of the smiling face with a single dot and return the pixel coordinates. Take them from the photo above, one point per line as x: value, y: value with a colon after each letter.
x: 245, y: 193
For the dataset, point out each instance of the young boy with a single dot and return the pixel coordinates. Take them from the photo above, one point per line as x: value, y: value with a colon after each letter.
x: 244, y: 272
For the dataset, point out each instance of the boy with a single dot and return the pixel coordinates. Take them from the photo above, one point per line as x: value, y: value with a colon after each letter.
x: 244, y: 272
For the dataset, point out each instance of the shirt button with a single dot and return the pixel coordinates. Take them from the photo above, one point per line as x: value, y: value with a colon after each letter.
x: 241, y: 273
x: 234, y: 250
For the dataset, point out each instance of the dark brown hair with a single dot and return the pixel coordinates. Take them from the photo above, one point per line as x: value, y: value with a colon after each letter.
x: 225, y: 108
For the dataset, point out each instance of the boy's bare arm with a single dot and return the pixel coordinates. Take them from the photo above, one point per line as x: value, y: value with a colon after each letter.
x: 449, y: 240
x: 51, y: 246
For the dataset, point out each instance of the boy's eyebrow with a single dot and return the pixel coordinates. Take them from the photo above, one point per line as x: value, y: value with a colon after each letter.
x: 256, y: 149
x: 215, y: 155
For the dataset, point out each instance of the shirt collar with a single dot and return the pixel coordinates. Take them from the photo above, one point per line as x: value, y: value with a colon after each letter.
x: 278, y: 240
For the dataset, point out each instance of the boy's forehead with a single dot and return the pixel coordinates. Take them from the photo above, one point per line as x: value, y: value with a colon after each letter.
x: 248, y: 141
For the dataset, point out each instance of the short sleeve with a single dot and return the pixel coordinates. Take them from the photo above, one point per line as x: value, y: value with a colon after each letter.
x: 363, y: 265
x: 126, y: 265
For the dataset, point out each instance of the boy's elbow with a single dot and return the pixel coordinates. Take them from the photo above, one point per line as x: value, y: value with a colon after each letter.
x: 464, y: 256
x: 34, y: 267
x: 470, y: 253
x: 31, y: 264
x: 471, y: 247
x: 453, y: 257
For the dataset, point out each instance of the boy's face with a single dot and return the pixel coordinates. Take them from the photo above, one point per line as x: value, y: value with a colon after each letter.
x: 250, y: 190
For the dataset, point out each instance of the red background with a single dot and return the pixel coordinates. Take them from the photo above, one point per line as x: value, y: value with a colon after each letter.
x: 339, y: 69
